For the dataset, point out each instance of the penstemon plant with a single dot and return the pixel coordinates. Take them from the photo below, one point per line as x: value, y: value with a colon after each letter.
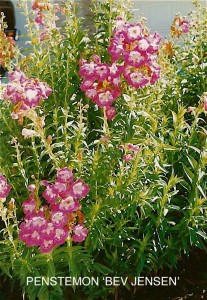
x: 103, y: 148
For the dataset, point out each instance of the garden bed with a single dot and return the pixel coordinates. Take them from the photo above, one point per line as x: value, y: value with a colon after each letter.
x: 103, y: 155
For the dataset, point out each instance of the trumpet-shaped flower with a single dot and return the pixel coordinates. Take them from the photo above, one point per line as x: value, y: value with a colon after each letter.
x: 47, y: 245
x: 29, y: 207
x: 50, y: 193
x: 58, y: 218
x: 64, y: 175
x: 79, y: 189
x: 110, y: 112
x: 60, y: 236
x: 79, y: 233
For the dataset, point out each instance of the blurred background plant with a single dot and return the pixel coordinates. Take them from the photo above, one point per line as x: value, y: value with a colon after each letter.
x: 146, y: 166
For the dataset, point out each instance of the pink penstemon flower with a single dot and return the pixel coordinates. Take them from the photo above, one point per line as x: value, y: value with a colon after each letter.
x: 34, y: 239
x: 4, y: 187
x: 50, y: 193
x: 64, y: 175
x: 60, y: 235
x: 47, y: 245
x: 38, y: 223
x: 79, y: 189
x: 101, y: 82
x: 110, y: 112
x: 68, y: 205
x: 133, y: 54
x: 129, y: 156
x: 29, y: 207
x: 58, y: 218
x: 49, y: 231
x: 79, y: 233
x: 39, y: 19
x: 50, y: 225
x: 28, y: 91
x: 129, y: 151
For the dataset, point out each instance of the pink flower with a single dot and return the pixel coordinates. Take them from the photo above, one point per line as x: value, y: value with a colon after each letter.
x: 105, y: 99
x: 115, y: 50
x: 24, y: 236
x: 92, y: 94
x: 185, y: 26
x: 134, y: 148
x: 47, y: 226
x: 135, y: 59
x: 134, y: 47
x: 46, y: 245
x: 32, y: 96
x: 31, y: 187
x: 17, y: 76
x: 110, y: 112
x: 79, y: 189
x: 4, y: 187
x: 128, y: 157
x: 29, y: 91
x: 50, y: 193
x: 87, y: 69
x: 67, y: 206
x: 63, y: 189
x: 79, y: 233
x: 64, y: 175
x: 45, y: 183
x: 143, y: 45
x: 29, y: 207
x: 134, y: 32
x: 86, y: 85
x: 102, y: 72
x: 38, y: 223
x: 39, y: 19
x: 25, y: 227
x: 101, y: 81
x: 49, y: 231
x: 58, y: 219
x: 60, y: 236
x: 44, y: 89
x: 136, y: 79
x: 44, y: 35
x: 34, y: 239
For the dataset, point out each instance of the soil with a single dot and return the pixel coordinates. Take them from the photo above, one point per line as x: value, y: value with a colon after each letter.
x: 192, y: 284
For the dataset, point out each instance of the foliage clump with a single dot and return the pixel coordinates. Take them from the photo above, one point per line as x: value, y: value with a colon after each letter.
x: 139, y: 166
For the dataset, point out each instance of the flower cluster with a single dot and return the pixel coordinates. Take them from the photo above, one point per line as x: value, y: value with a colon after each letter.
x: 133, y: 54
x: 7, y: 49
x: 4, y: 187
x: 51, y: 224
x: 43, y: 10
x: 137, y: 50
x: 27, y: 92
x: 179, y: 26
x: 129, y: 151
x: 101, y: 81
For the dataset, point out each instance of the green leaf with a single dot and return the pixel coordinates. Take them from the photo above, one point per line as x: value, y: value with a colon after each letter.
x: 192, y: 161
x: 202, y: 234
x: 188, y: 173
x: 102, y: 269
